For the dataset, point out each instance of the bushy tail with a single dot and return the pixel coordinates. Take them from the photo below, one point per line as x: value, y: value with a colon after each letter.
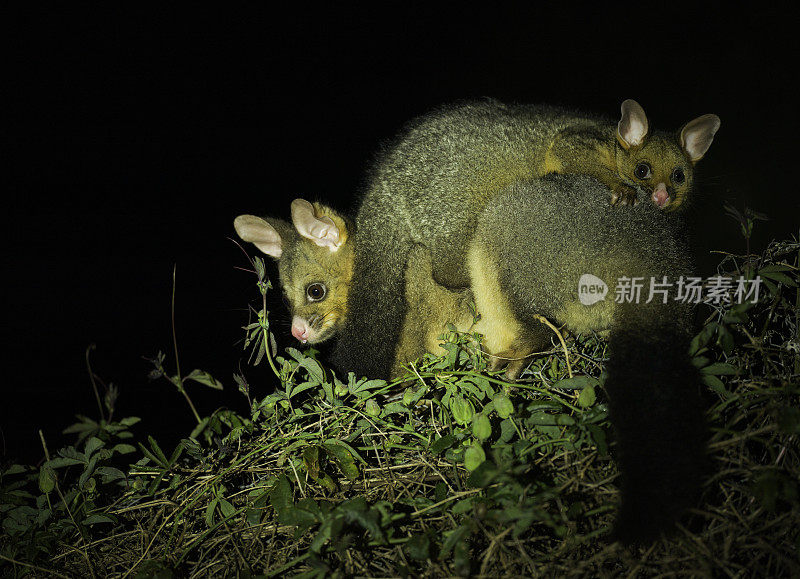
x: 657, y: 414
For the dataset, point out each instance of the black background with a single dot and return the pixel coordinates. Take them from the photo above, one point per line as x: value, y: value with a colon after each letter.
x: 134, y: 137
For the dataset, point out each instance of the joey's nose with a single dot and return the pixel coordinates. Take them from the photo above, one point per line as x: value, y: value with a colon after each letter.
x: 300, y: 330
x: 660, y: 195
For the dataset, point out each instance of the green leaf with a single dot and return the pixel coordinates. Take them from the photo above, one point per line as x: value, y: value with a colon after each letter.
x: 313, y: 368
x: 14, y: 469
x: 362, y: 387
x: 92, y: 445
x: 576, y: 382
x: 394, y: 408
x: 306, y: 513
x: 719, y: 369
x: 61, y: 462
x: 503, y: 405
x: 123, y: 448
x: 372, y: 408
x: 85, y: 425
x: 109, y: 474
x: 209, y: 516
x: 200, y: 428
x: 564, y: 420
x: 299, y: 517
x: 95, y: 519
x: 463, y: 506
x: 228, y: 510
x: 599, y: 437
x: 47, y: 478
x: 541, y: 418
x: 280, y: 496
x: 587, y: 397
x: 330, y: 527
x: 474, y: 456
x: 205, y: 378
x: 715, y: 384
x: 88, y: 471
x: 341, y: 443
x: 461, y: 558
x: 482, y: 383
x: 725, y: 340
x: 176, y: 454
x: 156, y: 455
x: 462, y: 410
x: 702, y: 339
x: 419, y: 547
x: 358, y: 511
x: 774, y: 267
x: 343, y: 458
x: 481, y: 427
x: 441, y: 444
x: 302, y: 388
x: 778, y: 277
x: 507, y: 430
x: 311, y: 461
x: 452, y: 538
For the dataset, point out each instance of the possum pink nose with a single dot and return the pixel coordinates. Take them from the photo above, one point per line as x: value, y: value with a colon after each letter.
x: 660, y: 195
x: 300, y: 331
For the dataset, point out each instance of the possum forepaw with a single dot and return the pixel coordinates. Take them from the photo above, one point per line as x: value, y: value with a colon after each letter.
x: 623, y: 195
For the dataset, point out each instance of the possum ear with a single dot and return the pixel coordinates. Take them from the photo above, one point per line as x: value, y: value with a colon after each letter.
x: 632, y: 127
x: 322, y: 231
x: 260, y: 233
x: 697, y: 136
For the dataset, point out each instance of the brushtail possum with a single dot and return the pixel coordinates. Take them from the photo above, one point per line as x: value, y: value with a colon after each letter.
x: 526, y: 258
x: 431, y: 185
x: 531, y: 246
x: 315, y: 265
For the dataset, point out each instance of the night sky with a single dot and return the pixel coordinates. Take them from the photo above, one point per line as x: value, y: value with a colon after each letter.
x: 134, y: 138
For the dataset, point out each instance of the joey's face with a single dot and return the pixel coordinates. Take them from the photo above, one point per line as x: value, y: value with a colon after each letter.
x: 661, y: 169
x: 315, y: 283
x: 316, y: 317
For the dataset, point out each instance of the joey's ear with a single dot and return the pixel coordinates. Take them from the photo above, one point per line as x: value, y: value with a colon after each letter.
x: 632, y: 127
x: 260, y: 233
x: 697, y: 136
x: 322, y: 231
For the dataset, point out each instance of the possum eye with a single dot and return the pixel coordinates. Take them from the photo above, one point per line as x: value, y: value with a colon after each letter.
x: 316, y: 292
x: 642, y: 171
x: 678, y: 176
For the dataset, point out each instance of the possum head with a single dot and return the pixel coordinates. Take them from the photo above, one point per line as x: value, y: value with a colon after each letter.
x: 315, y: 264
x: 661, y: 164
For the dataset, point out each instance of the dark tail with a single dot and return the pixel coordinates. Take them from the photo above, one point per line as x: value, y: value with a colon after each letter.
x: 657, y: 414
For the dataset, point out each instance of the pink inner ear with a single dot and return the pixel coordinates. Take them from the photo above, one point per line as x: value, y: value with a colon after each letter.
x: 322, y: 231
x: 698, y: 134
x: 260, y: 233
x: 634, y: 132
x: 694, y: 145
x: 633, y: 126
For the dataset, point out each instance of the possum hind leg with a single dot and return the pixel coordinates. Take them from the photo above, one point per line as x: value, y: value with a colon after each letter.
x: 508, y: 343
x: 430, y: 307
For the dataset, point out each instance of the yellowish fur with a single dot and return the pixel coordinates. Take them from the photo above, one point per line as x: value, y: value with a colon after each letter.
x: 498, y: 324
